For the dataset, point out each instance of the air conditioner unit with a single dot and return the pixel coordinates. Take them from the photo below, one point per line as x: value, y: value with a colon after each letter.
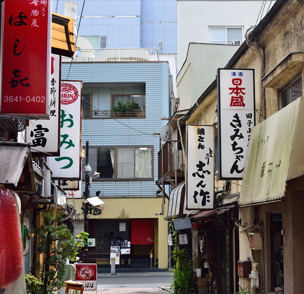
x: 236, y: 42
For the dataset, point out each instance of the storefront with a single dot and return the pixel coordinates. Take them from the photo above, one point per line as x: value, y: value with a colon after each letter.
x: 271, y: 200
x: 130, y: 228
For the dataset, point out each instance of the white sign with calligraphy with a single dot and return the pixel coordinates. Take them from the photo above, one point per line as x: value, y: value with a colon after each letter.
x: 200, y: 167
x: 67, y: 166
x: 236, y: 115
x: 44, y: 135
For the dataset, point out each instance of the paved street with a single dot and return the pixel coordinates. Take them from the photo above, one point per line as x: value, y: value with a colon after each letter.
x: 137, y: 283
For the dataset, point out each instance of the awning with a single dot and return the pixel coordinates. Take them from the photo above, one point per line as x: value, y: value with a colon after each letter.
x: 176, y: 202
x: 142, y: 231
x: 275, y: 155
x: 205, y: 214
x: 62, y: 35
x: 16, y: 170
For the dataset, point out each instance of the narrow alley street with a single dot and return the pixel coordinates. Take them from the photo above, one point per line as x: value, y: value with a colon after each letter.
x: 137, y: 282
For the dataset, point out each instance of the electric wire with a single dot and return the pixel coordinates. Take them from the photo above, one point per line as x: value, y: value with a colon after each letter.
x: 57, y: 6
x: 77, y: 36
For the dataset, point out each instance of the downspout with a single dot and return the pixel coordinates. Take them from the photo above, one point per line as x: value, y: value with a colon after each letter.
x: 256, y: 50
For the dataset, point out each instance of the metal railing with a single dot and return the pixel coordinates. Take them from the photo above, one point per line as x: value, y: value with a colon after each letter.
x: 90, y: 114
x: 114, y: 55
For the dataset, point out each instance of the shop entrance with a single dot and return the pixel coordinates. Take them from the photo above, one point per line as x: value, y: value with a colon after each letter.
x: 276, y: 251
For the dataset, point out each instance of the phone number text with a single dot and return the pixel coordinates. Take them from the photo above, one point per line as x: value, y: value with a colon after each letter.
x: 28, y: 99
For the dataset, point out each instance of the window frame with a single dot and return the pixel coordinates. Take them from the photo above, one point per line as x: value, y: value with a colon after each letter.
x: 116, y: 163
x: 288, y: 85
x: 226, y: 35
x: 130, y: 97
x: 91, y: 106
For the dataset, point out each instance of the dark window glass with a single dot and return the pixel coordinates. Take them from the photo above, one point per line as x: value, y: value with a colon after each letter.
x: 291, y: 92
x: 105, y: 162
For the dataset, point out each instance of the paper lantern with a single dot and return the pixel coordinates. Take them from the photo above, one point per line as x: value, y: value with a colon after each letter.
x: 11, y: 257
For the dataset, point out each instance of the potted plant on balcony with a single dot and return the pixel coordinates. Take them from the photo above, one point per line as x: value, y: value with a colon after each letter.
x: 122, y: 109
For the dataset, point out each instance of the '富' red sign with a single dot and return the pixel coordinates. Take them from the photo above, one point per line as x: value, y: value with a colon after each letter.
x: 25, y: 57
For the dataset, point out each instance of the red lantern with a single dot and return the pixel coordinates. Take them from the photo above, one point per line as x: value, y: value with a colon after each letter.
x: 11, y: 256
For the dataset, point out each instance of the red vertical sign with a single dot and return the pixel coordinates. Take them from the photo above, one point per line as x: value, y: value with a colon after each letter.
x: 25, y: 57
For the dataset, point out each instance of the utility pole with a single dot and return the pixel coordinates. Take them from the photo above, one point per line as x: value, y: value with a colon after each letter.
x: 86, y: 196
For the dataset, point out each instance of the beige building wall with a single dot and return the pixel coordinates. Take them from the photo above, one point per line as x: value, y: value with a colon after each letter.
x: 132, y: 208
x: 199, y: 70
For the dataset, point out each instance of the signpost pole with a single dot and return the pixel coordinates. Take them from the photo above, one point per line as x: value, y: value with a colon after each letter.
x: 86, y: 196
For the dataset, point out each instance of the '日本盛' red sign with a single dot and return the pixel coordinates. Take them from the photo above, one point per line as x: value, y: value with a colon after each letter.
x: 25, y: 58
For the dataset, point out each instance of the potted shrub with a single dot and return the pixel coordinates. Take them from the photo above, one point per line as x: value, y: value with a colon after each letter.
x: 122, y: 109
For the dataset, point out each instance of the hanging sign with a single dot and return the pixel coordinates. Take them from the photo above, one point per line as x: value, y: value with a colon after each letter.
x: 236, y: 119
x: 25, y: 58
x: 200, y: 167
x: 87, y: 274
x: 44, y: 135
x: 68, y: 165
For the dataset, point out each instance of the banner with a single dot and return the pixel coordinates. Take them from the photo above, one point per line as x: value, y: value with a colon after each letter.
x: 25, y: 58
x: 236, y: 115
x: 68, y: 165
x: 44, y: 135
x: 200, y: 167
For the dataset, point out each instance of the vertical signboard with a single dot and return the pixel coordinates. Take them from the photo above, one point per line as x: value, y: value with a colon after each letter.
x: 200, y: 167
x: 87, y: 274
x: 25, y: 58
x: 236, y: 119
x: 44, y: 135
x: 68, y: 165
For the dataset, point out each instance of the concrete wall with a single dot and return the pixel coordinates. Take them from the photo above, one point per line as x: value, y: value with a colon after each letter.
x: 128, y: 23
x: 195, y: 18
x: 199, y: 70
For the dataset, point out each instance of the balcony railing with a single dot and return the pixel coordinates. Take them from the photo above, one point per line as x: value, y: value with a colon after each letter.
x: 114, y: 55
x: 104, y: 114
x: 170, y: 163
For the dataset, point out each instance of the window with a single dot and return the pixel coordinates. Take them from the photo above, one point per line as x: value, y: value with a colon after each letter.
x: 138, y: 99
x: 224, y: 35
x: 119, y: 163
x: 137, y: 108
x: 291, y: 92
x: 96, y: 41
x: 87, y: 105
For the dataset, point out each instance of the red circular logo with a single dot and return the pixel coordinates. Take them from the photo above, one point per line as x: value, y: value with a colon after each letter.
x: 69, y: 94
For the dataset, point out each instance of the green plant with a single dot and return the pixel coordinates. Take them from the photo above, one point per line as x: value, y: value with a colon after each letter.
x: 122, y: 108
x: 32, y: 284
x: 196, y: 261
x: 56, y: 244
x: 183, y: 272
x: 244, y: 290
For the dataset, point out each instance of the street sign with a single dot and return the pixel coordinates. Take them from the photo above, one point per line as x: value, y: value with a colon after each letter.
x: 87, y: 274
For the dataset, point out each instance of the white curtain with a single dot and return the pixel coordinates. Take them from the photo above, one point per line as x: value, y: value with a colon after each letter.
x: 140, y: 100
x: 143, y: 163
x: 125, y: 163
x: 218, y: 35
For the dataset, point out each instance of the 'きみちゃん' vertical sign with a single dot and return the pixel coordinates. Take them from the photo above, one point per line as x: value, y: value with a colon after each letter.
x: 25, y: 58
x: 236, y: 119
x: 44, y: 135
x: 67, y: 165
x: 200, y: 167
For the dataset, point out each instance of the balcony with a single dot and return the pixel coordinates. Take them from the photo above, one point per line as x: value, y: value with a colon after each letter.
x: 114, y: 55
x: 104, y: 114
x: 170, y: 164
